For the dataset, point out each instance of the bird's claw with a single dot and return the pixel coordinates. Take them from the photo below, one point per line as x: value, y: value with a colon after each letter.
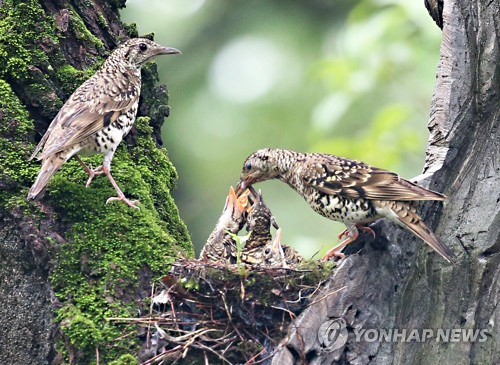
x: 345, y: 232
x: 367, y: 230
x: 332, y: 253
x: 130, y: 203
x: 92, y: 173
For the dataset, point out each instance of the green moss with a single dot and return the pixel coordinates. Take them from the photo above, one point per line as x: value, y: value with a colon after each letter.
x: 132, y: 30
x: 80, y: 330
x: 77, y: 26
x: 101, y: 20
x: 70, y: 77
x: 98, y: 270
x: 22, y: 28
x: 125, y: 360
x: 15, y: 127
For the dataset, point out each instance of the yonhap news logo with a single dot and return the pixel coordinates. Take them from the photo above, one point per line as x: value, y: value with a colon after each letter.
x: 333, y: 334
x: 421, y: 335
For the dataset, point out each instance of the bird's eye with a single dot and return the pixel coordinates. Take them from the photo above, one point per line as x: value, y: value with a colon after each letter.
x: 267, y: 251
x: 248, y: 166
x: 143, y: 46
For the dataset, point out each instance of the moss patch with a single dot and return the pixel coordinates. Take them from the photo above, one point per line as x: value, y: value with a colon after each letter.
x: 22, y: 25
x: 15, y: 127
x: 110, y: 247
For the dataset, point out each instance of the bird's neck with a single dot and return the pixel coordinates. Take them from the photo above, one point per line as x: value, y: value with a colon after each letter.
x: 285, y: 161
x: 289, y: 161
x: 123, y: 66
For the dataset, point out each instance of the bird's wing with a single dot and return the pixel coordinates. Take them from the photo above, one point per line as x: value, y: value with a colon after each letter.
x: 95, y: 104
x: 354, y: 179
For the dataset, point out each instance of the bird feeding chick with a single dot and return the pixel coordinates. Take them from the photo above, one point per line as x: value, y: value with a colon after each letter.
x: 221, y: 244
x: 345, y: 190
x: 97, y: 116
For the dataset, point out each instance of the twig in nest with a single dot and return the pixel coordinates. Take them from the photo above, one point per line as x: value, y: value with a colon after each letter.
x: 216, y: 314
x: 326, y: 296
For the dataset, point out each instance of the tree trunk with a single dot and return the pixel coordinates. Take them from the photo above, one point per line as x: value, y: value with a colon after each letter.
x: 396, y: 282
x: 69, y: 261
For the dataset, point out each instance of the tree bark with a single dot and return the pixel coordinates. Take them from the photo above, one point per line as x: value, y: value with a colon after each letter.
x: 396, y: 282
x: 69, y: 261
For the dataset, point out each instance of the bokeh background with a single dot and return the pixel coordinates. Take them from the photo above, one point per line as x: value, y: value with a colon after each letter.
x: 351, y: 78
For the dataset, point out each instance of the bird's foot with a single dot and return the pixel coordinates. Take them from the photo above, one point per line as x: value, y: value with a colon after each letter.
x: 366, y: 229
x: 121, y: 196
x: 130, y: 203
x: 345, y: 232
x: 352, y: 234
x: 334, y: 252
x: 92, y: 173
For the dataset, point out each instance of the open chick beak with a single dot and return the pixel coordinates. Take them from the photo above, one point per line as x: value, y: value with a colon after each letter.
x: 278, y: 249
x: 231, y: 198
x: 276, y: 245
x: 240, y: 202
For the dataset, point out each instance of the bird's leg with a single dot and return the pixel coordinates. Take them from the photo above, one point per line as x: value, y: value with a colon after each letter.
x: 361, y: 227
x: 89, y: 171
x: 352, y: 234
x: 106, y: 168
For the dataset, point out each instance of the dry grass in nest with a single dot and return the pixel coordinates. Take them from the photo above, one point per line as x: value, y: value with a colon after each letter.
x: 204, y: 313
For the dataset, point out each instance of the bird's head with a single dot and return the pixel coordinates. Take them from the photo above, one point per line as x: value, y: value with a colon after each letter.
x: 270, y: 255
x: 259, y: 166
x: 234, y: 213
x: 138, y: 51
x: 258, y: 213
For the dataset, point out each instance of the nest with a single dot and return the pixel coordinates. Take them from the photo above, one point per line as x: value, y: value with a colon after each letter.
x: 205, y: 313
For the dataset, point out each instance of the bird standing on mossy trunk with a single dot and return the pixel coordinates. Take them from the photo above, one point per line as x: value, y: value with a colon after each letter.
x: 345, y: 190
x: 97, y: 116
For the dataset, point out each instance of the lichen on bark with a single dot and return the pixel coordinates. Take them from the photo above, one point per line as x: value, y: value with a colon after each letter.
x: 100, y: 257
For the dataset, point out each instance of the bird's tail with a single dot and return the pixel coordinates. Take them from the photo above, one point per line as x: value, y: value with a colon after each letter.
x: 407, y: 217
x: 49, y: 167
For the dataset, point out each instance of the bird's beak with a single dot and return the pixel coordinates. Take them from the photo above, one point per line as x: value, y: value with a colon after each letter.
x: 276, y: 246
x: 245, y: 183
x: 241, y: 187
x: 168, y: 50
x: 240, y: 201
x: 274, y: 223
x: 231, y: 198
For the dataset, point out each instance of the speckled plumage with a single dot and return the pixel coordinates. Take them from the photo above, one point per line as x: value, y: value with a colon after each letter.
x: 97, y: 115
x: 261, y: 249
x: 221, y: 245
x: 292, y: 256
x: 270, y: 255
x: 259, y: 222
x: 345, y: 190
x: 273, y: 254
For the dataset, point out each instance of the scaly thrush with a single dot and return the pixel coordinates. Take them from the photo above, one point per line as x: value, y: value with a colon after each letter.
x: 97, y: 115
x: 345, y: 190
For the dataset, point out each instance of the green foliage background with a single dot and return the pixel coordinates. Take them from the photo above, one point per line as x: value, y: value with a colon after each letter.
x: 351, y: 78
